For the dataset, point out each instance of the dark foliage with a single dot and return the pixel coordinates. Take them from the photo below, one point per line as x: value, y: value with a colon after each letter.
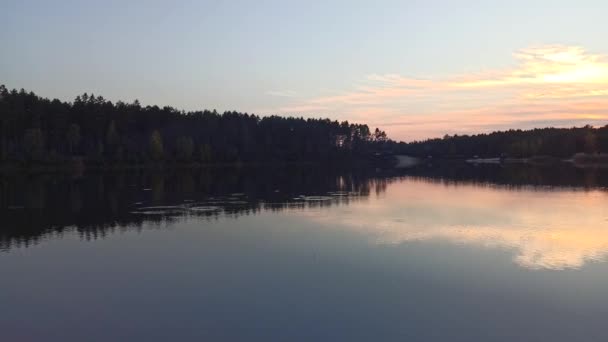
x: 35, y: 129
x: 555, y: 142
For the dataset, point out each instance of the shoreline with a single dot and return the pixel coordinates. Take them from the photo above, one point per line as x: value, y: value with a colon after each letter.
x: 84, y: 167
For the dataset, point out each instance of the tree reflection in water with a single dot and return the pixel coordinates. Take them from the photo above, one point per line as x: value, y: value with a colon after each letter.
x: 35, y: 207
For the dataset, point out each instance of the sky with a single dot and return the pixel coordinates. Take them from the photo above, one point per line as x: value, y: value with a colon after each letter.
x: 416, y: 69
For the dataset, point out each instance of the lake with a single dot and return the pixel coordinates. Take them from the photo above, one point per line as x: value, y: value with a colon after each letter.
x: 434, y: 253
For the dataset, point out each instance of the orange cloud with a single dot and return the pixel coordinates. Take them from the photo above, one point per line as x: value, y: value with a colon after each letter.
x: 549, y: 85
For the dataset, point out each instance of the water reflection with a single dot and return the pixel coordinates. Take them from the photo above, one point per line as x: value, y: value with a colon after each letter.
x: 35, y: 207
x: 514, y: 175
x: 546, y: 228
x: 305, y: 254
x: 549, y: 218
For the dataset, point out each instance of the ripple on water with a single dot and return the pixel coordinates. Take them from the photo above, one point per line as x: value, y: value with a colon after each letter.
x: 160, y: 210
x: 316, y: 198
x: 205, y: 208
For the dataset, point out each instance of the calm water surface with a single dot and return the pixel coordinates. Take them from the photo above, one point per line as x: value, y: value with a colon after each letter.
x: 305, y: 255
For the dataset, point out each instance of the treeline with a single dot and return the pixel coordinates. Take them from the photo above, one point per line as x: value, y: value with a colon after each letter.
x: 554, y: 142
x: 39, y: 130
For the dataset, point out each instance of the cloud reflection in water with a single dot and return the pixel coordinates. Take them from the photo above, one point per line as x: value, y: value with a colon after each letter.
x: 552, y: 229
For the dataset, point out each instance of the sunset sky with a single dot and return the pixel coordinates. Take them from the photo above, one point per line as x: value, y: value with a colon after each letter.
x: 413, y: 68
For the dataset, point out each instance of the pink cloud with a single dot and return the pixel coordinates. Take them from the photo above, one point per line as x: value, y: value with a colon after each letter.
x: 549, y: 84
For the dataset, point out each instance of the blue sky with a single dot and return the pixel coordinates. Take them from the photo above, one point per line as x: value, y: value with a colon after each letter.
x: 350, y: 60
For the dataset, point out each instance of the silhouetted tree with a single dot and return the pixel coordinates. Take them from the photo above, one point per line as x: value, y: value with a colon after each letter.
x: 555, y: 142
x: 156, y: 146
x: 205, y: 153
x: 33, y: 143
x: 185, y: 147
x: 101, y: 131
x: 73, y: 137
x: 590, y: 142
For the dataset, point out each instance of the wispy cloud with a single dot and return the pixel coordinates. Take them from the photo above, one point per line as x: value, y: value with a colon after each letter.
x: 558, y: 84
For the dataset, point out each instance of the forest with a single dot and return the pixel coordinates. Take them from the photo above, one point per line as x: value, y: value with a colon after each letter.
x: 91, y: 129
x: 36, y: 130
x: 553, y: 142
